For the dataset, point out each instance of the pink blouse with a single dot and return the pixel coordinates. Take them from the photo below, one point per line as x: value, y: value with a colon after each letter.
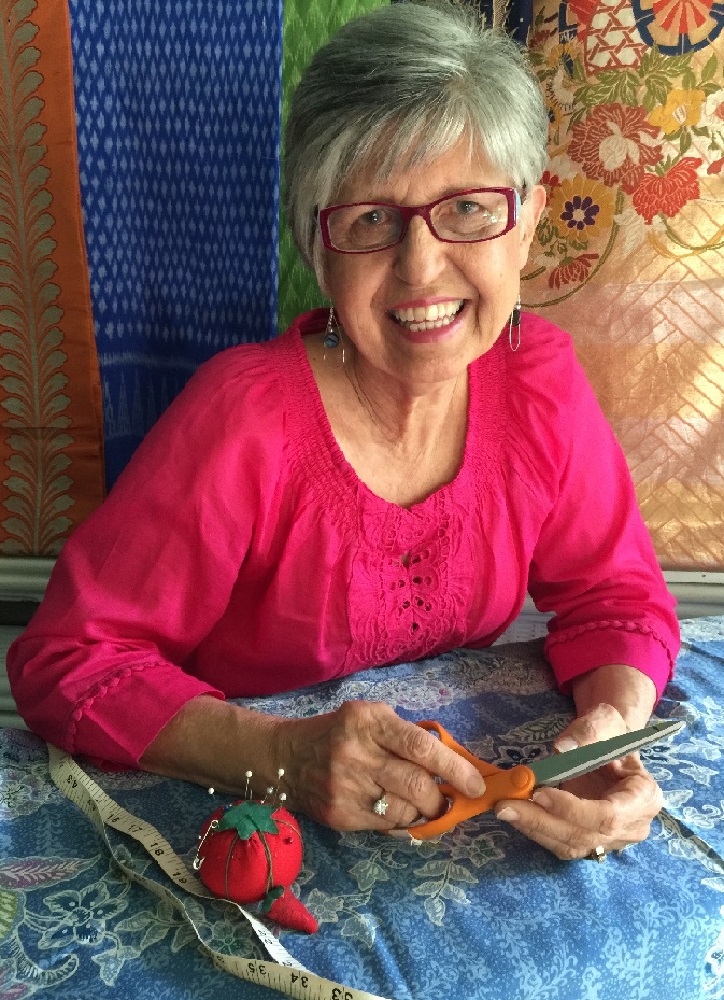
x: 239, y: 554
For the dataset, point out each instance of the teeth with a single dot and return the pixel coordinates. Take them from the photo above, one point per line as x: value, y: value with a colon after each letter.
x: 428, y: 317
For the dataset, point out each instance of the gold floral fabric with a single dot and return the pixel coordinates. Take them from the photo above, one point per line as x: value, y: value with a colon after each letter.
x: 629, y: 256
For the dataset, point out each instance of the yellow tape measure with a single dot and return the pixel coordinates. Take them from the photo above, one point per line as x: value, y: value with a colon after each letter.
x: 284, y: 973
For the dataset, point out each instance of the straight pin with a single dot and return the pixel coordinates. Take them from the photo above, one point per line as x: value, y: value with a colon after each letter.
x: 280, y: 775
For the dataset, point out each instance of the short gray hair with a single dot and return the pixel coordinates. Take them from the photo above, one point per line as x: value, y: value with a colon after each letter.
x: 399, y: 87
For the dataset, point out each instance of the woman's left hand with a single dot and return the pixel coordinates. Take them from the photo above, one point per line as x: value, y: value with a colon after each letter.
x: 611, y: 807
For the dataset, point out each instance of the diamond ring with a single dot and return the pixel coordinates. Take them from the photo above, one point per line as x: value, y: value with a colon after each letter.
x: 379, y: 806
x: 598, y: 854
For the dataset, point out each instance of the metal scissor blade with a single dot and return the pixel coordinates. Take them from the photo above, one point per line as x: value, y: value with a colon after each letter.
x: 560, y: 766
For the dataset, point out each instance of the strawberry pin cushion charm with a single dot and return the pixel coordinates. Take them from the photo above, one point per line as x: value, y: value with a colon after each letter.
x: 250, y: 852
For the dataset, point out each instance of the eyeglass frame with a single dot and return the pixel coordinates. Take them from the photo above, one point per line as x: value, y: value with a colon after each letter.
x: 408, y: 212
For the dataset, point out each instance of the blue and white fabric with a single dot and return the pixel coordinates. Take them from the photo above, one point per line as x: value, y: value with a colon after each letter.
x: 483, y: 913
x: 178, y: 121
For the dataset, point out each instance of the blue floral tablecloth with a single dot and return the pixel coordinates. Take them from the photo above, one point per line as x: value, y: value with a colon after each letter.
x: 482, y: 913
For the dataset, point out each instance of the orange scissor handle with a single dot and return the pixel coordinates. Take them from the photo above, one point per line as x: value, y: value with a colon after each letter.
x: 514, y: 783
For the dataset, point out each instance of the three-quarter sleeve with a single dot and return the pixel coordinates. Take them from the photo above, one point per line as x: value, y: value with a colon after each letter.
x: 594, y: 564
x: 146, y: 577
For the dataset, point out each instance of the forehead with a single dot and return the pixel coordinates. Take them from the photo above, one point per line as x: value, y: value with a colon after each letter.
x: 417, y: 181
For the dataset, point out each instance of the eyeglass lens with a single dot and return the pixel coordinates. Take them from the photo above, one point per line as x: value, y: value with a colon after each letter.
x: 461, y: 218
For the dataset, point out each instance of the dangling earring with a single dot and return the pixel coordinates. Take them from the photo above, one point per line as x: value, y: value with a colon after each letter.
x: 514, y: 324
x: 332, y: 335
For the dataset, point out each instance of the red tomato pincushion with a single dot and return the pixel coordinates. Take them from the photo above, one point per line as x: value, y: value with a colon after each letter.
x: 251, y: 852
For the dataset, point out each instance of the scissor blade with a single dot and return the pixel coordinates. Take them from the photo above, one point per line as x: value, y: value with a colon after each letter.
x: 561, y: 766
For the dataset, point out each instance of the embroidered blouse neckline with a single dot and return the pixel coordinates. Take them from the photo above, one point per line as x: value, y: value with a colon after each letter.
x: 310, y: 399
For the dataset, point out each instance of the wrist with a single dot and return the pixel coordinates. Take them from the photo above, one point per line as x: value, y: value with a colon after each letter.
x: 213, y: 743
x: 631, y: 692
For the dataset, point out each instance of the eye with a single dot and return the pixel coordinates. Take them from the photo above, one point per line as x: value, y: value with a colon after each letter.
x: 373, y: 217
x: 483, y: 213
x: 371, y: 226
x: 467, y: 207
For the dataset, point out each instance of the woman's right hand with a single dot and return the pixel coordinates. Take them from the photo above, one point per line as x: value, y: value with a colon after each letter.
x: 337, y: 765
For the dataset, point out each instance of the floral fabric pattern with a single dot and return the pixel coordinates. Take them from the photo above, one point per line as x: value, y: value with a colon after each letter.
x: 472, y: 914
x: 630, y: 248
x: 620, y: 140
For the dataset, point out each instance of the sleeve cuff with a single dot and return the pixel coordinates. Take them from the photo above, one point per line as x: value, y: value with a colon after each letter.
x: 120, y: 717
x: 571, y: 655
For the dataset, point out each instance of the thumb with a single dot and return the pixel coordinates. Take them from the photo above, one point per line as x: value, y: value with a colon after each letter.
x: 599, y: 723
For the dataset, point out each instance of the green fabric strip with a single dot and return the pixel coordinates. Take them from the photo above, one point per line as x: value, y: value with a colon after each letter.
x: 308, y: 24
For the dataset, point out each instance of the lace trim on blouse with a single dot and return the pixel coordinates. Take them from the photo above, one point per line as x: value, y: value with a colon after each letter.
x: 405, y: 600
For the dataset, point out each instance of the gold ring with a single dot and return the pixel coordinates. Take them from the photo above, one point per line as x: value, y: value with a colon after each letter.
x: 597, y: 854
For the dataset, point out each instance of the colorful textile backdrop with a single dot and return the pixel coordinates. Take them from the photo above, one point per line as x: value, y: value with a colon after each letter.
x: 630, y: 256
x: 51, y: 475
x: 178, y: 139
x: 179, y: 110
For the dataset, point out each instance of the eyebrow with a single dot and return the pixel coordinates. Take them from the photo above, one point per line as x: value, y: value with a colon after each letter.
x: 447, y: 193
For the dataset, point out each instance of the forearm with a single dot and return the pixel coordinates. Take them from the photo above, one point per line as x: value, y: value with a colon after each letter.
x: 214, y: 743
x: 629, y: 690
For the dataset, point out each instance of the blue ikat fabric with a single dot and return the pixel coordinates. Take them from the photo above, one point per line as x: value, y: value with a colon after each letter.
x: 178, y: 123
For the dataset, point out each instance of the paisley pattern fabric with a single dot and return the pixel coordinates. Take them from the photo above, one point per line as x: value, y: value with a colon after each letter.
x: 630, y: 251
x: 481, y: 912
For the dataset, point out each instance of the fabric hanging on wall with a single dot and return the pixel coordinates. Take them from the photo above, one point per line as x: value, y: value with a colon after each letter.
x: 178, y: 123
x: 630, y: 255
x: 513, y: 16
x: 308, y: 24
x: 51, y: 445
x: 178, y: 108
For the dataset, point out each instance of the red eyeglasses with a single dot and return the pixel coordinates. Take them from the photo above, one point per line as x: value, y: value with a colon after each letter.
x: 470, y: 216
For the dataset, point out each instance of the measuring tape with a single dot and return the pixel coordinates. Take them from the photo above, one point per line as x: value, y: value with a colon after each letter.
x: 284, y: 973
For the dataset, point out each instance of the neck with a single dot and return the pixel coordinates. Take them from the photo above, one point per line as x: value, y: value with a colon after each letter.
x: 403, y: 415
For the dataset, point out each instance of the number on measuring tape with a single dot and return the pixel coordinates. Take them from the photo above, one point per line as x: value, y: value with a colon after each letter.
x: 285, y: 974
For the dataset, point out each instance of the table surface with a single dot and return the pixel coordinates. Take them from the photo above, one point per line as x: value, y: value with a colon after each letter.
x: 480, y: 913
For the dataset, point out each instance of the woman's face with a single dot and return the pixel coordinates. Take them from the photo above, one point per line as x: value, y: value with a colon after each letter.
x: 477, y: 282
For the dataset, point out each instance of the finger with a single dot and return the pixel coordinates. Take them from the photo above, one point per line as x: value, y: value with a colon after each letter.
x: 571, y: 827
x: 601, y: 722
x: 399, y: 814
x: 342, y: 786
x: 568, y: 844
x: 413, y: 785
x: 634, y: 799
x: 411, y: 742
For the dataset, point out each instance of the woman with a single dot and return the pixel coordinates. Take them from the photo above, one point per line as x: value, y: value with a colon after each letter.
x: 381, y: 483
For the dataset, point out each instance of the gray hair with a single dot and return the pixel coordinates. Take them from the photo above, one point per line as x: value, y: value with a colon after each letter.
x: 399, y: 87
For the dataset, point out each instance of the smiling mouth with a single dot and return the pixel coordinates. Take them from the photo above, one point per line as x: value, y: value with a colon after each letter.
x: 432, y: 317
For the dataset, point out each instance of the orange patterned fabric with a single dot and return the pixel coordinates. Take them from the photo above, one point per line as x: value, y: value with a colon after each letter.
x: 630, y: 253
x: 50, y: 402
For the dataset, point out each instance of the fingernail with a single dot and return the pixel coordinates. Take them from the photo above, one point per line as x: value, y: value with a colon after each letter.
x: 476, y: 787
x: 507, y: 814
x: 565, y: 744
x: 541, y: 799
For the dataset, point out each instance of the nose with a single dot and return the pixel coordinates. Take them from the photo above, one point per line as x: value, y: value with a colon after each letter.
x: 420, y: 256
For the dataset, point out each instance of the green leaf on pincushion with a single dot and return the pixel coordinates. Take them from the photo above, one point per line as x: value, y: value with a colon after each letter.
x: 271, y: 897
x: 248, y: 818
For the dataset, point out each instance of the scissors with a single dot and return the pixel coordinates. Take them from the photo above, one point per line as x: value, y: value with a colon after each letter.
x: 520, y: 781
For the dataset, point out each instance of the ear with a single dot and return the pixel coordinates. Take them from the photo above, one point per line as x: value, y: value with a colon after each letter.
x: 319, y: 260
x: 530, y: 214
